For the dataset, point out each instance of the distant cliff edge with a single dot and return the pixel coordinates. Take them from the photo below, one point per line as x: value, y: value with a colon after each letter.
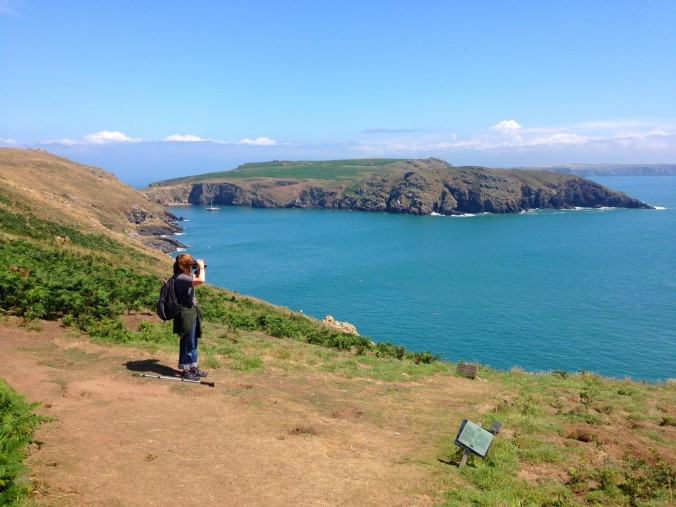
x: 417, y: 187
x: 588, y: 170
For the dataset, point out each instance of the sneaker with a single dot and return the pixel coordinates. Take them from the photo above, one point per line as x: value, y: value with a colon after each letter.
x: 199, y: 373
x: 189, y: 375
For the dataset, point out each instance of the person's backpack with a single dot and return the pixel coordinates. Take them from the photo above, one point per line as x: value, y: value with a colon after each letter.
x: 168, y: 306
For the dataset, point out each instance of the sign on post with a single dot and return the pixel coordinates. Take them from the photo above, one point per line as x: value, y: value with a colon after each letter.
x: 474, y: 439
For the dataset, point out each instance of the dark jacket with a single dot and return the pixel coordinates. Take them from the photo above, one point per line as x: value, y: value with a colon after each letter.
x: 190, y: 311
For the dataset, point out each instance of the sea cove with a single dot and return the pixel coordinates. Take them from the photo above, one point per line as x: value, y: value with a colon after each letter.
x: 546, y: 290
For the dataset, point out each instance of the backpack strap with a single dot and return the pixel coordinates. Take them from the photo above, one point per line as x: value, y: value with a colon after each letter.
x: 179, y: 297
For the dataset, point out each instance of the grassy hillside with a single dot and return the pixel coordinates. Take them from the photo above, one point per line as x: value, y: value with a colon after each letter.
x: 37, y: 184
x: 567, y: 438
x: 329, y: 170
x: 341, y: 170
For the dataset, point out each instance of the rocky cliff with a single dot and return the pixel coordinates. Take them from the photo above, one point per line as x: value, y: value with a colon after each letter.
x: 418, y: 187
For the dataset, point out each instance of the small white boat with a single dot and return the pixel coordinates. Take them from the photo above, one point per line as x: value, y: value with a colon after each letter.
x: 212, y: 207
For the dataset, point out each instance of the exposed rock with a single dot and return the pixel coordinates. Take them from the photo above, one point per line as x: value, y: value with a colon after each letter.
x: 156, y: 233
x: 314, y: 197
x: 165, y: 244
x: 137, y: 215
x: 167, y: 196
x: 345, y: 327
x: 159, y: 230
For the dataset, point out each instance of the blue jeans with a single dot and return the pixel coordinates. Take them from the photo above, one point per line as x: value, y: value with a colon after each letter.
x: 187, y: 352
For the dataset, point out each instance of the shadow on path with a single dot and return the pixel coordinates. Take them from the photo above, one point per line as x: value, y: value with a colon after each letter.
x: 150, y: 365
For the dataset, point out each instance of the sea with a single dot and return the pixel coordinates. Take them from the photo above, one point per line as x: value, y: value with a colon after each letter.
x: 576, y: 290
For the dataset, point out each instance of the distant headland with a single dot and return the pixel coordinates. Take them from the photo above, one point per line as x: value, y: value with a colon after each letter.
x: 416, y: 187
x: 588, y: 170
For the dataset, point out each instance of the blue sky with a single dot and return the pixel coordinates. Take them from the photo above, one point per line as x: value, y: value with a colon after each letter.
x: 154, y: 89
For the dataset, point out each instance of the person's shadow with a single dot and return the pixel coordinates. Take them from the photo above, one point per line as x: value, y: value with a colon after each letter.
x: 150, y: 365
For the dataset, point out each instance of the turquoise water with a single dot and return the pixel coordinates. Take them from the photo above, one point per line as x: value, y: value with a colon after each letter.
x: 575, y: 290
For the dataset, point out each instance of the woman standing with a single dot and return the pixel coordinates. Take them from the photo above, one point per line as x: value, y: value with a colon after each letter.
x: 187, y: 324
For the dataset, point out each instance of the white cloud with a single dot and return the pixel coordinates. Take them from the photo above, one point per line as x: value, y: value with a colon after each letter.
x: 189, y: 138
x: 510, y: 131
x: 510, y: 135
x: 102, y: 137
x: 10, y: 142
x: 655, y: 140
x: 506, y: 126
x: 108, y: 136
x: 643, y: 135
x: 259, y: 141
x: 504, y: 143
x: 63, y: 141
x: 558, y: 138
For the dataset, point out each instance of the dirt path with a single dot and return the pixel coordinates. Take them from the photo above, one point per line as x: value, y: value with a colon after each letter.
x: 269, y: 438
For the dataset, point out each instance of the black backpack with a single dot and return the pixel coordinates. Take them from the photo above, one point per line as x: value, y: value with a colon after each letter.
x: 168, y: 306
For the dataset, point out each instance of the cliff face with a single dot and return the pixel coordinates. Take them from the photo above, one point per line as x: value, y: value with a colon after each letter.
x: 416, y: 187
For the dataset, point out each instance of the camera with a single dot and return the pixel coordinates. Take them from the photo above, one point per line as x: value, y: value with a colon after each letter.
x: 195, y: 267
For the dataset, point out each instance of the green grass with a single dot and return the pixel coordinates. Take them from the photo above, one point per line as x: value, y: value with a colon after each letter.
x: 246, y: 363
x: 327, y: 170
x: 321, y: 170
x: 29, y: 226
x: 539, y: 423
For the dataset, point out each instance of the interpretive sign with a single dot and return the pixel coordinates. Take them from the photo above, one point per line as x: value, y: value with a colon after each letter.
x: 468, y: 370
x: 474, y: 439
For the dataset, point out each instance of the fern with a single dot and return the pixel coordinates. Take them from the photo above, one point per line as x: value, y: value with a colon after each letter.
x: 17, y: 422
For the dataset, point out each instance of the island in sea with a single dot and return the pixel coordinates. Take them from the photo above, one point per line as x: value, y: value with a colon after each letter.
x: 416, y: 187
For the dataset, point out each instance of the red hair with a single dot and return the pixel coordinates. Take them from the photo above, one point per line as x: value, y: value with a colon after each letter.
x: 183, y: 264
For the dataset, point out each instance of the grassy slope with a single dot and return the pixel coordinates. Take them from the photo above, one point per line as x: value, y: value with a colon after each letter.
x: 325, y: 170
x: 351, y: 170
x: 568, y: 439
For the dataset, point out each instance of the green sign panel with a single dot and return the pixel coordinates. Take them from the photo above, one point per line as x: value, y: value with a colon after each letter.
x: 474, y: 438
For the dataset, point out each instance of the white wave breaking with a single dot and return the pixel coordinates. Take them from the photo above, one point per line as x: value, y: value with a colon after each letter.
x: 459, y: 215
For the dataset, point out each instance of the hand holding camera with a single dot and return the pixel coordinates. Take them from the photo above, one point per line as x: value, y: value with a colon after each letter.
x: 198, y: 265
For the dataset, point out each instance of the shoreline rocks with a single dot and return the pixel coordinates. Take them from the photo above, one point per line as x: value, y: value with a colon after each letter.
x: 345, y: 327
x: 156, y: 231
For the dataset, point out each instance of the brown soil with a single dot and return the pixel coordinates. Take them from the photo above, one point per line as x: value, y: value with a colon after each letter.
x: 271, y: 438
